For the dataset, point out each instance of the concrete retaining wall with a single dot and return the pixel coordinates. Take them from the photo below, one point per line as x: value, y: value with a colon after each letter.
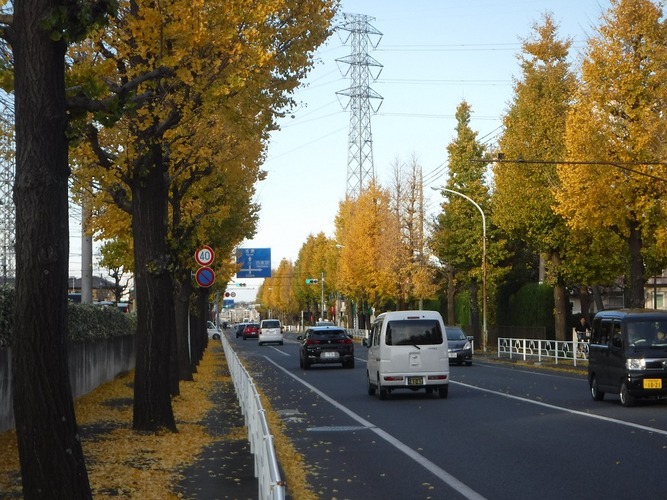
x: 91, y: 363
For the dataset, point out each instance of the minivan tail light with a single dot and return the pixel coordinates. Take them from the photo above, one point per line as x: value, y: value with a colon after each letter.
x: 393, y: 378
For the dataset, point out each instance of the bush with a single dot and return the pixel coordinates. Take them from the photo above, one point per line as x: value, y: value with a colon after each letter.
x: 86, y: 321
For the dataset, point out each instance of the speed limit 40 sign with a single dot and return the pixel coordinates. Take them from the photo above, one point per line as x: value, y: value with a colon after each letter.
x: 205, y: 256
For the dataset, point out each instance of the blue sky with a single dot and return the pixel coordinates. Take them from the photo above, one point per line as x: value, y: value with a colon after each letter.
x: 435, y: 53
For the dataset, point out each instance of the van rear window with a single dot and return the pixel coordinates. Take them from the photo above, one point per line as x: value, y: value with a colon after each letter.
x: 271, y: 324
x: 413, y: 332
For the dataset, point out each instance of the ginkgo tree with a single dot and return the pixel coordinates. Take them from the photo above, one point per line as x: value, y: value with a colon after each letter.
x: 414, y: 276
x: 370, y: 243
x: 34, y: 40
x: 535, y: 130
x: 176, y: 89
x: 276, y: 294
x: 616, y: 181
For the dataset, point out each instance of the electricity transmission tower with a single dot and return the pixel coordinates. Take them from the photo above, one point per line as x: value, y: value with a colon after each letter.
x: 362, y: 67
x: 7, y: 214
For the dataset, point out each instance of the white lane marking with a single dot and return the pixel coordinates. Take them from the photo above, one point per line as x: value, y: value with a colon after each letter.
x: 566, y: 410
x: 278, y: 350
x: 443, y: 475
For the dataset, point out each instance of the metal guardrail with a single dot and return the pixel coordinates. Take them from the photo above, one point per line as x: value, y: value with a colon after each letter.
x: 271, y: 486
x: 544, y: 349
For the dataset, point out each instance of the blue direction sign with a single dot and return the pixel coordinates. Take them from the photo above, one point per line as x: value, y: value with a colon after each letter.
x: 255, y: 262
x: 205, y: 276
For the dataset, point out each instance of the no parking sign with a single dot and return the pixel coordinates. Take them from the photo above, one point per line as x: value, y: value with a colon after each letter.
x: 205, y: 276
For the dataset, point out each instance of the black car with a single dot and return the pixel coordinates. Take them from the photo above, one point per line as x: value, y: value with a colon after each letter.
x: 459, y: 345
x: 326, y: 344
x: 239, y: 329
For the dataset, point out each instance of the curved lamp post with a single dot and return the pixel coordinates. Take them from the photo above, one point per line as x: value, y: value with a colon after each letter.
x: 485, y: 336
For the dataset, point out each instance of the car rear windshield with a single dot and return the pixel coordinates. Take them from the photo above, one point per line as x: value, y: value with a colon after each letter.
x: 328, y: 335
x: 271, y: 324
x: 414, y: 332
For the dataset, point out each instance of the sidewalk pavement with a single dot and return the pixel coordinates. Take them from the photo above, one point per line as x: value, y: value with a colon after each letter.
x: 225, y: 469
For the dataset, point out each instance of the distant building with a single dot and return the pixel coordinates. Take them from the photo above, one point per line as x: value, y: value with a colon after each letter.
x: 103, y: 290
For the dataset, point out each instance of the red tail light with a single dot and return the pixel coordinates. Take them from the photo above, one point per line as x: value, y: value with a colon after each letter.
x: 312, y: 342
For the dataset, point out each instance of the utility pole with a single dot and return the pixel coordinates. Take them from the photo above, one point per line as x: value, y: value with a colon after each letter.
x: 360, y: 168
x: 322, y: 285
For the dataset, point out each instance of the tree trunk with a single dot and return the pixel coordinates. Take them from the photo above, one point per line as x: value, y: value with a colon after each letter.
x: 560, y: 300
x: 50, y: 453
x: 598, y: 298
x: 474, y: 309
x: 182, y: 298
x: 451, y: 294
x: 155, y: 297
x: 637, y: 279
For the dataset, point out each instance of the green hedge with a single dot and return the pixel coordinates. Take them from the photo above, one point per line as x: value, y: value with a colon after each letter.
x: 86, y: 321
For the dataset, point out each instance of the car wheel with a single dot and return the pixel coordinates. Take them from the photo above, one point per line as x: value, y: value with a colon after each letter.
x: 259, y: 343
x: 371, y: 387
x: 443, y: 391
x: 383, y: 392
x: 596, y: 393
x: 280, y: 343
x: 349, y: 364
x: 216, y: 337
x: 300, y: 362
x: 244, y: 337
x: 626, y: 398
x: 468, y: 363
x: 306, y: 364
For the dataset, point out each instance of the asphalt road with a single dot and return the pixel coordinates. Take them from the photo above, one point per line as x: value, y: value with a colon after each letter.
x: 504, y: 432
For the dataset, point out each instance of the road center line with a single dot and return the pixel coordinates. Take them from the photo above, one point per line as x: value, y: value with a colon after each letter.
x: 442, y: 474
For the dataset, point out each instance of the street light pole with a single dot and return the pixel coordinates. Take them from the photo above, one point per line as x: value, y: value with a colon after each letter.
x: 322, y: 282
x: 485, y: 336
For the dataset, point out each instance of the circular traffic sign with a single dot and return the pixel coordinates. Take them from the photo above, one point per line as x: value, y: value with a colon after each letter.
x: 205, y: 276
x: 205, y: 256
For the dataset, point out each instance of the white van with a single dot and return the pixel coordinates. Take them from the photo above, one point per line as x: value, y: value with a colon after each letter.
x: 270, y: 330
x: 407, y: 350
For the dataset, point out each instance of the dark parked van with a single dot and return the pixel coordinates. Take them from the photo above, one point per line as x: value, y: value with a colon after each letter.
x: 628, y: 354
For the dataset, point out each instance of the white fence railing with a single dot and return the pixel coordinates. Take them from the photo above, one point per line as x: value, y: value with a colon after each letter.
x: 271, y: 486
x: 544, y: 349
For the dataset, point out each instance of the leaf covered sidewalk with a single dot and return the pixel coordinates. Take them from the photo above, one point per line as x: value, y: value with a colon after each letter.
x: 209, y: 458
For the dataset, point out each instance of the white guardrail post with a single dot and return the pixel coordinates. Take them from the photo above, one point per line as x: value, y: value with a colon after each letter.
x: 271, y: 486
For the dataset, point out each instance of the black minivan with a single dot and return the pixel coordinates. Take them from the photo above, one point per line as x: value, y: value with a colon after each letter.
x: 628, y: 354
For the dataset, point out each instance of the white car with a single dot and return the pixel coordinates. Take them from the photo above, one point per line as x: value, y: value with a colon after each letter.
x: 270, y: 330
x: 213, y: 330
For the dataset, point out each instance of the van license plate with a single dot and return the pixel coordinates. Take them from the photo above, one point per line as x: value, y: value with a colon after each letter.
x: 415, y: 380
x: 652, y: 383
x: 329, y: 354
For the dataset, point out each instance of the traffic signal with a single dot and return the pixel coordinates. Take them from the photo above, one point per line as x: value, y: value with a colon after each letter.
x: 311, y: 281
x: 240, y: 284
